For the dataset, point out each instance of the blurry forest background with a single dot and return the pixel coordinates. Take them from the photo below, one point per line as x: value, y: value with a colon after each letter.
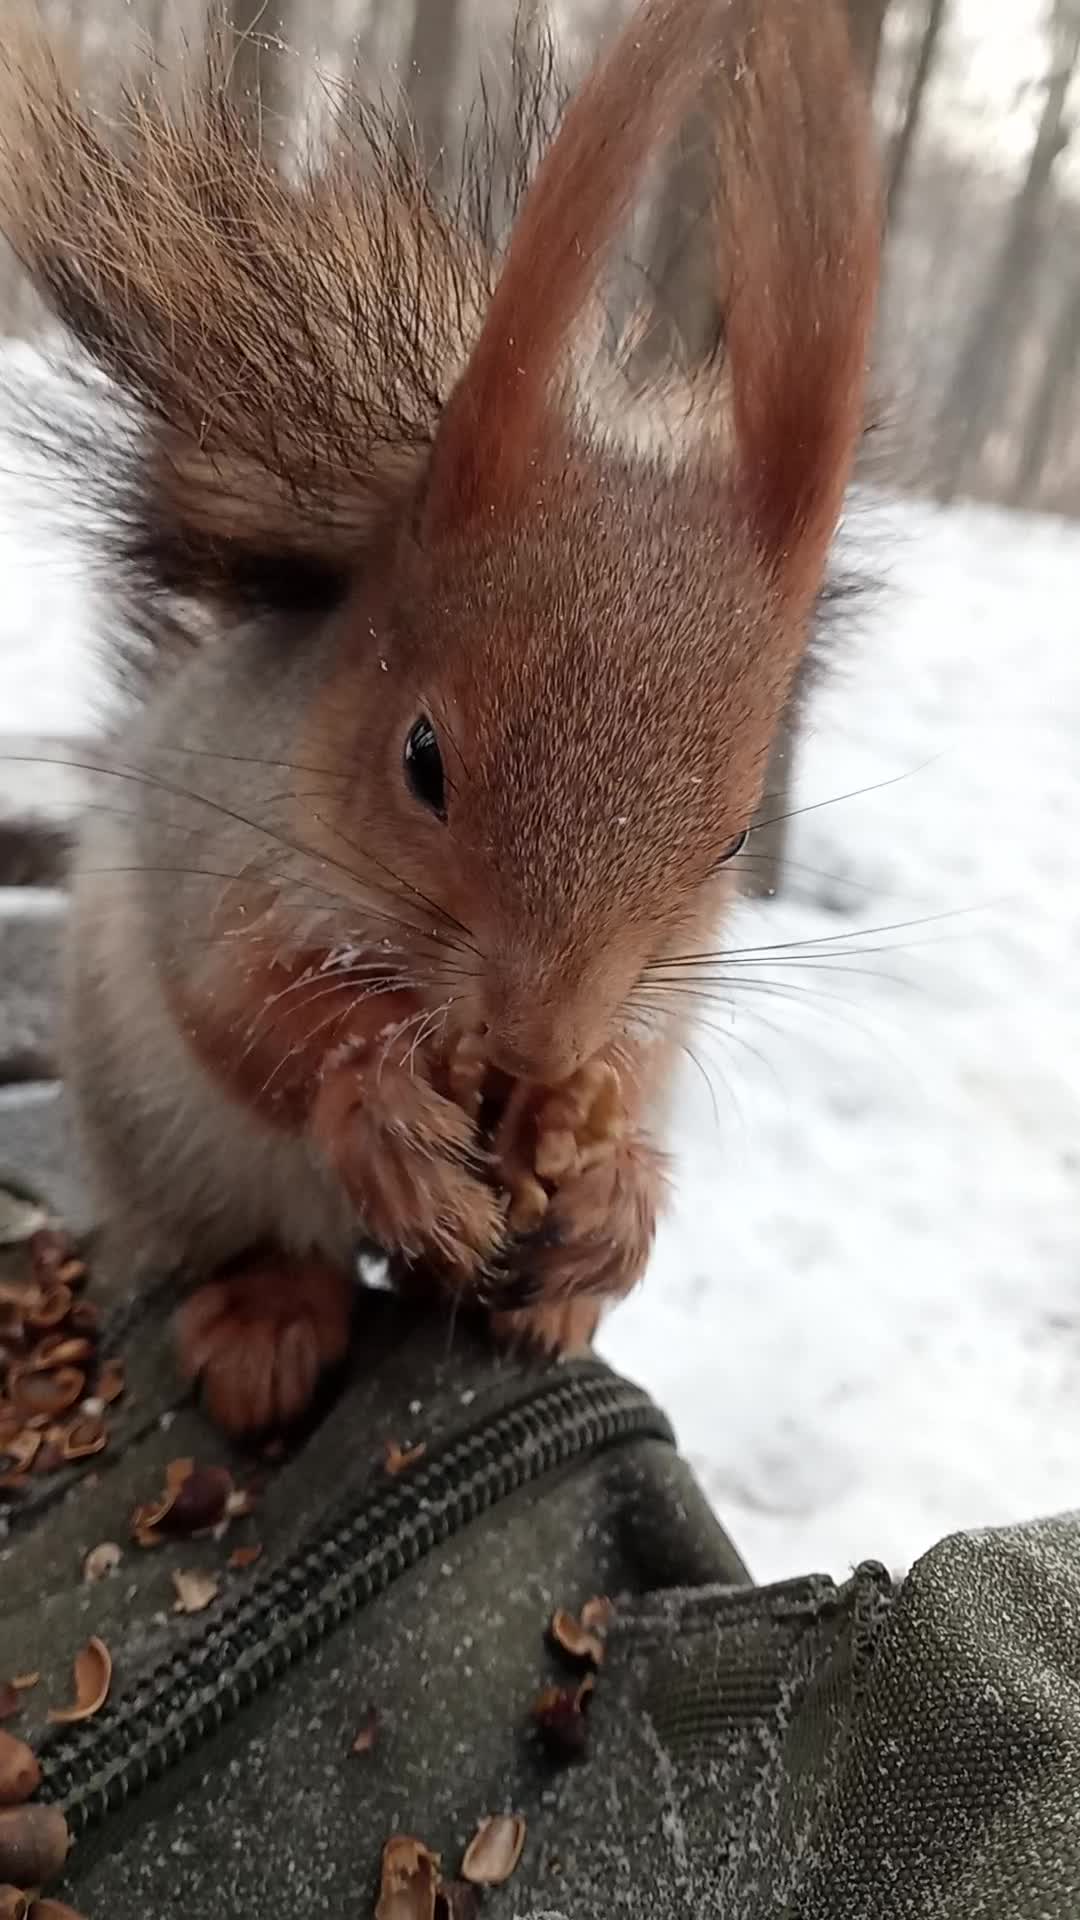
x: 977, y: 103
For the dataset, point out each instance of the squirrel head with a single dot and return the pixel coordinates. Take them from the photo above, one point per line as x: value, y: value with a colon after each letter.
x: 587, y: 650
x: 559, y: 658
x: 564, y: 720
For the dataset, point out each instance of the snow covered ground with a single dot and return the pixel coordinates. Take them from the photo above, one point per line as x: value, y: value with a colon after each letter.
x: 864, y: 1313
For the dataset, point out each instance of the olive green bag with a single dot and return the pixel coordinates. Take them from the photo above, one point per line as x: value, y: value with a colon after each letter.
x: 831, y: 1753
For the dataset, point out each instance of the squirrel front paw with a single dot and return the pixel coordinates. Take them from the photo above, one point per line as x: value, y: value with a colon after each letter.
x: 596, y: 1234
x: 410, y: 1162
x: 258, y: 1338
x: 586, y: 1193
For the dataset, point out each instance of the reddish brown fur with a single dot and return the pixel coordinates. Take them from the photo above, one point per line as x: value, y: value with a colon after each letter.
x: 604, y: 639
x: 585, y: 187
x: 804, y: 277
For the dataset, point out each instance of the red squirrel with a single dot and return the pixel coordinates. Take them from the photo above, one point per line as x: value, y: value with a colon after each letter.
x: 460, y: 664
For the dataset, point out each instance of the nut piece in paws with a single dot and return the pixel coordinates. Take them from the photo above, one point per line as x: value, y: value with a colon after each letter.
x: 597, y: 1232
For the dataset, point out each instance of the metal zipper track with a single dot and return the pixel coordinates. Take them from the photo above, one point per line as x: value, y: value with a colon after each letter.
x: 94, y: 1769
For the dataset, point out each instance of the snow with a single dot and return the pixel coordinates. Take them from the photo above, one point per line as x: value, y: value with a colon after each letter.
x: 51, y: 680
x: 864, y: 1313
x: 864, y: 1310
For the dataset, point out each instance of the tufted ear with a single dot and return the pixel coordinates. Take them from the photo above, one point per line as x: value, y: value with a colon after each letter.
x: 279, y: 344
x: 504, y: 417
x: 797, y: 219
x: 800, y: 229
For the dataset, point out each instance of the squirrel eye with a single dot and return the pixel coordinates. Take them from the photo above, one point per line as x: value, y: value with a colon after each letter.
x: 424, y: 767
x: 733, y: 850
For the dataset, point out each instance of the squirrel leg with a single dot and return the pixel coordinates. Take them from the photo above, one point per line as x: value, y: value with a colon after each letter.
x: 259, y: 1337
x: 565, y: 1329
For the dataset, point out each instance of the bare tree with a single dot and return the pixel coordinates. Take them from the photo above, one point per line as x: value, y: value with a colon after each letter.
x: 1055, y: 383
x: 430, y: 70
x: 925, y: 61
x: 986, y: 356
x: 867, y: 19
x: 259, y: 33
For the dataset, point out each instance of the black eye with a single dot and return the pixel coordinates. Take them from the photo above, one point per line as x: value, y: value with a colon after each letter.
x: 733, y: 850
x: 424, y: 767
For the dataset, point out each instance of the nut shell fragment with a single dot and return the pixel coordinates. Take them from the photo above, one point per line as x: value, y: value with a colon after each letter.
x: 241, y: 1558
x: 456, y: 1900
x: 93, y: 1678
x: 53, y: 1910
x: 577, y: 1640
x: 367, y: 1733
x: 494, y: 1853
x: 110, y: 1382
x: 560, y: 1719
x: 200, y: 1501
x: 34, y: 1843
x: 195, y: 1591
x: 20, y: 1774
x: 14, y: 1905
x: 101, y: 1561
x: 45, y: 1395
x: 22, y: 1449
x: 410, y: 1880
x: 49, y: 1248
x: 597, y: 1615
x: 195, y: 1500
x: 50, y: 1309
x: 85, y: 1437
x: 60, y: 1350
x: 398, y: 1459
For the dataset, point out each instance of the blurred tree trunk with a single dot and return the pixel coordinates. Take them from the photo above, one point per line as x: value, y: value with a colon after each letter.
x: 904, y: 146
x: 259, y: 65
x: 153, y: 21
x: 430, y: 70
x: 867, y: 18
x: 986, y: 358
x: 1059, y: 369
x: 532, y: 55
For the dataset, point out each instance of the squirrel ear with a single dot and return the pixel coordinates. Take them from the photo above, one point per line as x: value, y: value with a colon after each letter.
x: 801, y: 231
x: 258, y: 333
x: 798, y: 236
x: 504, y: 419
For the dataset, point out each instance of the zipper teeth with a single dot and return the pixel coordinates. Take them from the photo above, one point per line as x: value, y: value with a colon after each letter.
x: 93, y: 1770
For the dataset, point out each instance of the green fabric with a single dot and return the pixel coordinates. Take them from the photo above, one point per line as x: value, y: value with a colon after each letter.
x: 827, y: 1755
x: 802, y: 1751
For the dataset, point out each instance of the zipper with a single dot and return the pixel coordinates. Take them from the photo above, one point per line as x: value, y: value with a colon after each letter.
x: 92, y: 1770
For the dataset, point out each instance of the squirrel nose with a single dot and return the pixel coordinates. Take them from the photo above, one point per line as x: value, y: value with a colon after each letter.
x: 545, y: 1056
